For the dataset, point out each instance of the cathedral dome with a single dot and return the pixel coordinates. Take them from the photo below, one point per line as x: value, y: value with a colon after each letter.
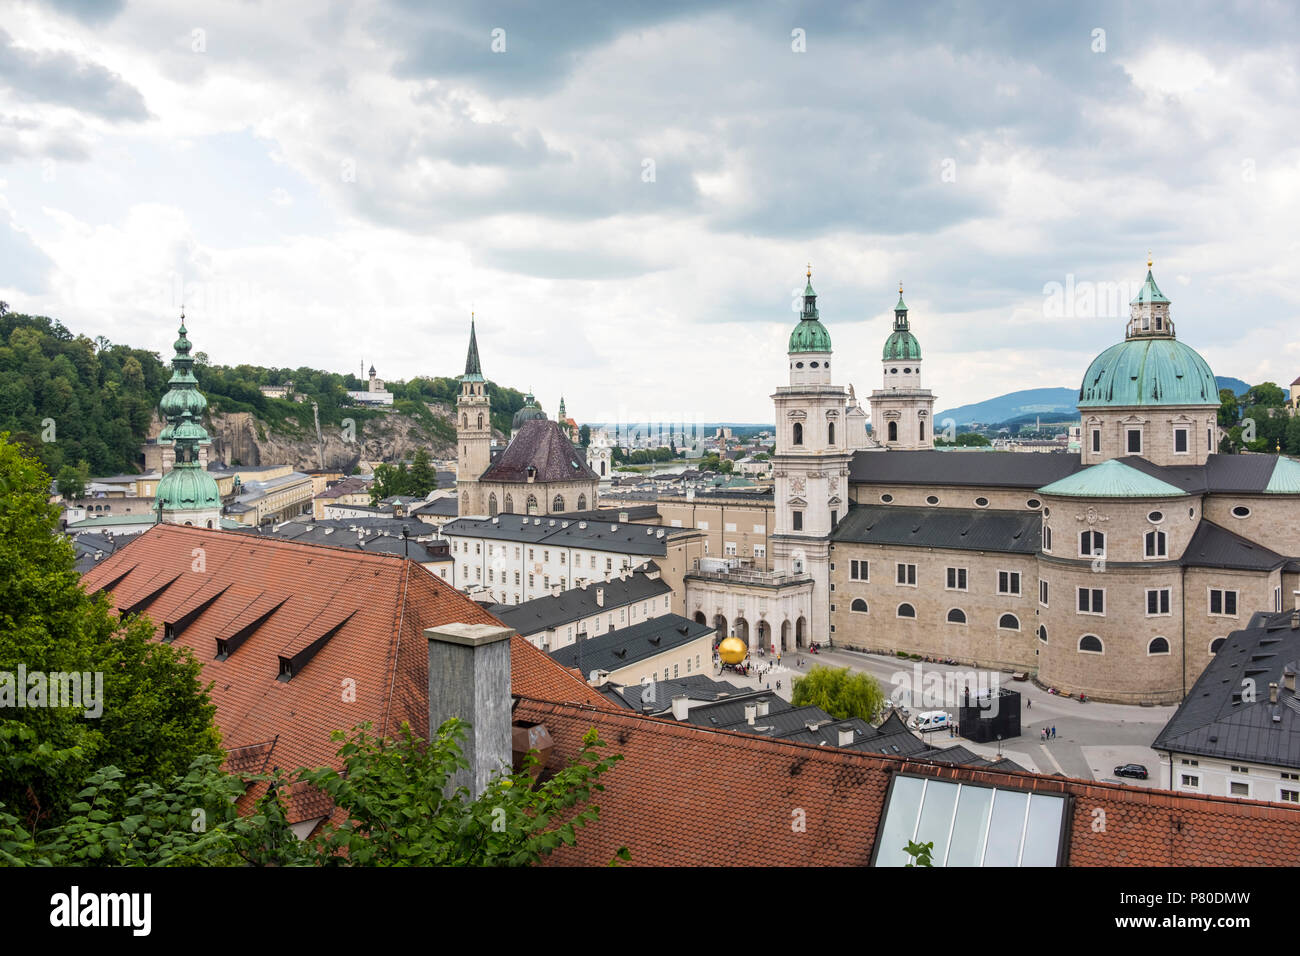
x: 901, y: 345
x: 1152, y: 371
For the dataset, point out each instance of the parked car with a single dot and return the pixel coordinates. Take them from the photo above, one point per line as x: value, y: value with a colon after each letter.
x: 1131, y: 770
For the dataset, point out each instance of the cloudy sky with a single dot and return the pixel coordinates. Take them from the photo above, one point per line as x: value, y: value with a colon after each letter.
x: 626, y: 194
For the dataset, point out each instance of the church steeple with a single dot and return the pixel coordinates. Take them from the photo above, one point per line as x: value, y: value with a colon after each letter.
x: 187, y: 494
x: 900, y: 312
x: 473, y: 370
x: 1149, y: 311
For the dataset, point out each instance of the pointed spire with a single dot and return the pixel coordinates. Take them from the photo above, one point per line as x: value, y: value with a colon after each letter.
x: 901, y: 308
x: 473, y: 370
x: 809, y: 299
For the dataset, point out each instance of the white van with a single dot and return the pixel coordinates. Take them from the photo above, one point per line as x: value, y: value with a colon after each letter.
x: 931, y: 720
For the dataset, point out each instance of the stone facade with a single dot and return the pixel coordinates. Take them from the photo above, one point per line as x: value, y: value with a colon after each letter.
x: 1106, y: 434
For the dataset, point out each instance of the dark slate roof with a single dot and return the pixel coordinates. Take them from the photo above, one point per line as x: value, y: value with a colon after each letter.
x: 694, y: 686
x: 541, y: 444
x: 728, y: 712
x: 982, y: 468
x: 1214, y: 720
x: 633, y: 512
x: 783, y: 724
x: 1224, y: 474
x: 1213, y: 546
x: 631, y: 644
x: 561, y: 532
x: 543, y: 613
x: 1015, y: 532
x: 442, y: 507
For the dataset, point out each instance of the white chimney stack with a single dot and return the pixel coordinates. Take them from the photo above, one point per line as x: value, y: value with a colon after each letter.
x: 846, y: 736
x: 469, y: 678
x: 751, y: 712
x: 762, y: 707
x: 600, y: 597
x: 681, y: 707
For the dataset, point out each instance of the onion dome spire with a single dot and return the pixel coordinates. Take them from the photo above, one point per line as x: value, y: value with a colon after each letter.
x: 809, y: 335
x: 183, y: 394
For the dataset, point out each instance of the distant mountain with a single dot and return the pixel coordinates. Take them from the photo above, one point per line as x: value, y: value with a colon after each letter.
x: 1053, y: 404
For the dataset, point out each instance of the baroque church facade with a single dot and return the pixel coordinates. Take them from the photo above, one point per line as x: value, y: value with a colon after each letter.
x: 1115, y: 572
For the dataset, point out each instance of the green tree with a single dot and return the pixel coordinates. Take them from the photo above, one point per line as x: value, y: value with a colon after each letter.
x: 1267, y: 394
x: 423, y: 476
x: 584, y: 436
x: 155, y: 715
x: 840, y: 692
x: 1229, y: 408
x: 73, y: 480
x: 395, y: 794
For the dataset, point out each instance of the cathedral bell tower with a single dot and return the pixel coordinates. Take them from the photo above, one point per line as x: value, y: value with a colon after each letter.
x: 811, y: 463
x: 902, y: 412
x: 473, y: 431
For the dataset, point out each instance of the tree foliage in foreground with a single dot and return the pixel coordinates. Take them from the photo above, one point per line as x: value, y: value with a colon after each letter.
x: 393, y: 794
x: 840, y: 692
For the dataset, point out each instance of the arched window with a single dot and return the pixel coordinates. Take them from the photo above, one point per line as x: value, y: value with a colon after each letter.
x: 530, y: 506
x: 830, y: 433
x: 510, y: 505
x: 798, y: 433
x: 480, y: 419
x: 1047, y: 538
x: 492, y: 503
x: 1158, y: 645
x: 1009, y: 622
x: 582, y: 502
x: 906, y: 610
x: 558, y: 504
x: 858, y: 605
x: 209, y: 522
x: 464, y: 502
x: 1156, y: 544
x: 956, y: 616
x: 1091, y: 543
x: 1090, y: 644
x: 464, y: 421
x: 893, y: 431
x: 1042, y: 633
x: 922, y: 424
x: 1216, y: 644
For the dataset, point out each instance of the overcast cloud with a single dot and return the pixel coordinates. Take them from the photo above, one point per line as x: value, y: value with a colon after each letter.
x: 323, y: 184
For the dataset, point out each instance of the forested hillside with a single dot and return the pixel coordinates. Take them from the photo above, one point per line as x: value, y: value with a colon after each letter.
x: 77, y: 401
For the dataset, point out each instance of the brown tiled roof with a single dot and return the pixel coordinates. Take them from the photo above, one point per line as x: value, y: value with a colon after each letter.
x: 690, y: 796
x: 348, y: 486
x: 541, y: 444
x: 387, y: 602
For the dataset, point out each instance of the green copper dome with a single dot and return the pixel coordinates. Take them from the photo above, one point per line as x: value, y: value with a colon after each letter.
x: 530, y: 412
x: 1148, y: 371
x: 187, y: 487
x: 183, y: 395
x: 901, y: 345
x: 809, y: 335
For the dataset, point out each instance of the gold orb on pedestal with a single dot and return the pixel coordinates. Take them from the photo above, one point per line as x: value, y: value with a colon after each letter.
x: 732, y: 650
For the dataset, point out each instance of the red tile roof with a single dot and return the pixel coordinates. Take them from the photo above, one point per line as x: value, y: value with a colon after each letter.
x: 691, y: 796
x: 379, y: 657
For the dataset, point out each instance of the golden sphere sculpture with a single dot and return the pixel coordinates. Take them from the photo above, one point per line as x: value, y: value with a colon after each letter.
x: 732, y: 650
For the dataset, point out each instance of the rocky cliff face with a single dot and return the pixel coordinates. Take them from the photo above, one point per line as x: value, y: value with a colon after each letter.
x: 242, y: 437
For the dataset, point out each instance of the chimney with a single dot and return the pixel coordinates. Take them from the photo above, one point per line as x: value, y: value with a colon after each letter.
x: 555, y: 590
x: 681, y: 707
x: 1296, y: 596
x: 1288, y: 680
x: 751, y: 712
x: 1272, y: 692
x: 846, y: 736
x: 600, y: 597
x: 762, y: 706
x: 622, y: 516
x: 469, y: 678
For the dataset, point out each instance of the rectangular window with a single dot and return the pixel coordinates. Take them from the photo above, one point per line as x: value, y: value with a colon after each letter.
x: 1008, y: 582
x: 1287, y: 775
x: 674, y: 670
x: 1238, y: 789
x: 1236, y: 769
x: 956, y: 579
x: 1190, y: 763
x: 1180, y: 441
x: 688, y: 665
x: 1092, y: 601
x: 760, y: 529
x: 1191, y: 781
x: 532, y: 555
x: 1223, y: 603
x: 1277, y: 599
x: 729, y: 548
x: 907, y: 574
x: 857, y: 570
x: 1096, y: 439
x: 1042, y: 592
x: 729, y: 526
x: 1135, y: 441
x: 835, y: 517
x: 760, y: 550
x: 702, y: 525
x: 1288, y: 796
x: 609, y: 564
x: 798, y: 520
x: 562, y: 557
x: 1157, y: 601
